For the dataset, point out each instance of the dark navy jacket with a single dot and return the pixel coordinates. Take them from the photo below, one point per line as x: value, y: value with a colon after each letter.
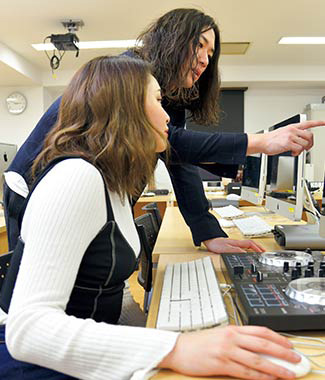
x: 226, y: 150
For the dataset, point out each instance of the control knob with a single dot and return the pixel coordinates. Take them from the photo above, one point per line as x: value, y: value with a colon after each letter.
x: 308, y: 273
x: 259, y: 276
x: 294, y: 274
x: 286, y: 266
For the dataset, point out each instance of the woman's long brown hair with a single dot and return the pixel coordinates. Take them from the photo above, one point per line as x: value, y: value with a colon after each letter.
x: 102, y: 119
x: 171, y: 41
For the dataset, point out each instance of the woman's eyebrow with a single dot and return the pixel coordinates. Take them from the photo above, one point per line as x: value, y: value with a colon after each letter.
x: 207, y: 42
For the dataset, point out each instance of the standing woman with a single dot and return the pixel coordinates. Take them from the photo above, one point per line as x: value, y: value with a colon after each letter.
x: 80, y: 244
x: 183, y: 46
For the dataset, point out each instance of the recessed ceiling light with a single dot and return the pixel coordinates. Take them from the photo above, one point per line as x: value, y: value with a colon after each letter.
x: 302, y: 40
x: 93, y: 44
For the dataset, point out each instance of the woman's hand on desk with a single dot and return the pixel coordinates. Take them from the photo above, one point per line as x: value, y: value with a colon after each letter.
x: 226, y: 245
x: 232, y: 351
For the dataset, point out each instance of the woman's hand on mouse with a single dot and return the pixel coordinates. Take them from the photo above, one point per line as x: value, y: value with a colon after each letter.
x: 231, y: 351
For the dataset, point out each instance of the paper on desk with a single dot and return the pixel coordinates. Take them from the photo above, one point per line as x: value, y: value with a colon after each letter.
x: 228, y: 212
x: 226, y: 223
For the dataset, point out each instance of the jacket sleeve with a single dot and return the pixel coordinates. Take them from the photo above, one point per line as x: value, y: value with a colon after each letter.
x: 193, y: 204
x: 223, y: 151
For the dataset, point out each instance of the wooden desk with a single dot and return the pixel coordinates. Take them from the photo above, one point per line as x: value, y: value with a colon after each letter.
x: 222, y: 195
x: 175, y: 236
x: 174, y: 244
x: 161, y: 200
x: 164, y: 200
x: 151, y: 321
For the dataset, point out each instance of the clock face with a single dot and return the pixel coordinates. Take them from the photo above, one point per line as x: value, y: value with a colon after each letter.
x: 16, y: 103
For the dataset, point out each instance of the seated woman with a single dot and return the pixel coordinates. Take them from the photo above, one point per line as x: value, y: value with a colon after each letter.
x: 80, y: 244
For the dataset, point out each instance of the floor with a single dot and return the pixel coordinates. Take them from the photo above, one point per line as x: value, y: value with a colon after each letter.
x: 136, y: 289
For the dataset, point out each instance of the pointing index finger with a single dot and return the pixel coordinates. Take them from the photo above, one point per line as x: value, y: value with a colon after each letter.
x: 311, y: 124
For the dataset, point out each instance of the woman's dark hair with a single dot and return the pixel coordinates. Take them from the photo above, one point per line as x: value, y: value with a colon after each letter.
x: 171, y: 41
x: 102, y: 118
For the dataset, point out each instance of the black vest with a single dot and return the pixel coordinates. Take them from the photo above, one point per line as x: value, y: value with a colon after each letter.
x: 108, y: 261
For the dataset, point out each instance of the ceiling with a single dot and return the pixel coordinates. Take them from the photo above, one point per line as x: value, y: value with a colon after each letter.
x: 260, y: 22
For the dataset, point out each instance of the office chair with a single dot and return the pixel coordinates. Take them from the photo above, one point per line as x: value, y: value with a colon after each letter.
x: 4, y: 265
x: 148, y: 234
x: 154, y: 210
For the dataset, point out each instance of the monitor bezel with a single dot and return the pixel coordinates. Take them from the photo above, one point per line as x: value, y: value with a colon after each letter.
x: 252, y: 194
x: 290, y: 210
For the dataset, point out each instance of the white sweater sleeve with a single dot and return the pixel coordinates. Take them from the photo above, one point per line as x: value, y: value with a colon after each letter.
x: 64, y: 214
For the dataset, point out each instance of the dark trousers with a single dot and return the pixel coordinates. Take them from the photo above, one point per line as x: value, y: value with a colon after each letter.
x: 13, y: 204
x: 11, y: 369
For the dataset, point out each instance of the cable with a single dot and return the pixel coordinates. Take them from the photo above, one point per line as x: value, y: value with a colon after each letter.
x: 310, y: 203
x: 235, y: 315
x: 228, y: 288
x: 55, y: 60
x: 304, y: 337
x: 311, y: 345
x: 318, y: 372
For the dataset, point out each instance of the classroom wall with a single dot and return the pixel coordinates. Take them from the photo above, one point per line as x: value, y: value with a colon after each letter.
x: 14, y: 129
x: 267, y: 106
x: 263, y: 108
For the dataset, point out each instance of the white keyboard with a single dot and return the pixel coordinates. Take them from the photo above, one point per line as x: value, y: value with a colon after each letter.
x: 191, y: 297
x: 252, y: 226
x: 229, y: 212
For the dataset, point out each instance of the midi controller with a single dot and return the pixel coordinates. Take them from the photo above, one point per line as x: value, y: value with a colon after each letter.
x: 282, y: 290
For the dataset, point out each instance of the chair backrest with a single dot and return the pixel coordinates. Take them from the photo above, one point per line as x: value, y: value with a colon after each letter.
x: 4, y: 265
x: 154, y: 210
x: 148, y: 235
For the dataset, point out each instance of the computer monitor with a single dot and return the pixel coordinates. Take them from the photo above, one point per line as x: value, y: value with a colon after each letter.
x: 209, y: 180
x: 285, y: 190
x: 254, y: 178
x: 7, y: 153
x: 283, y: 173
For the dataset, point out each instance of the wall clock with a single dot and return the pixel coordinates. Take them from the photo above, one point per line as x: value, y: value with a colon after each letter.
x: 16, y: 103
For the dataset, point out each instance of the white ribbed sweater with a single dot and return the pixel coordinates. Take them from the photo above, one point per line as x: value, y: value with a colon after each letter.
x: 64, y: 214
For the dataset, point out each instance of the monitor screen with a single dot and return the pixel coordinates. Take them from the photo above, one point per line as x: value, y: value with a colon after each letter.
x: 254, y: 178
x: 283, y: 173
x: 7, y: 153
x: 252, y: 171
x: 285, y: 190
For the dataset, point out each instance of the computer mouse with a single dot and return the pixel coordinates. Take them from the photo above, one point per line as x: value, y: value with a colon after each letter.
x: 232, y: 197
x: 299, y: 369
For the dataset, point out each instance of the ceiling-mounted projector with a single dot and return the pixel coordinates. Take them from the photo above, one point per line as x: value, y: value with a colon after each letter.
x: 65, y: 42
